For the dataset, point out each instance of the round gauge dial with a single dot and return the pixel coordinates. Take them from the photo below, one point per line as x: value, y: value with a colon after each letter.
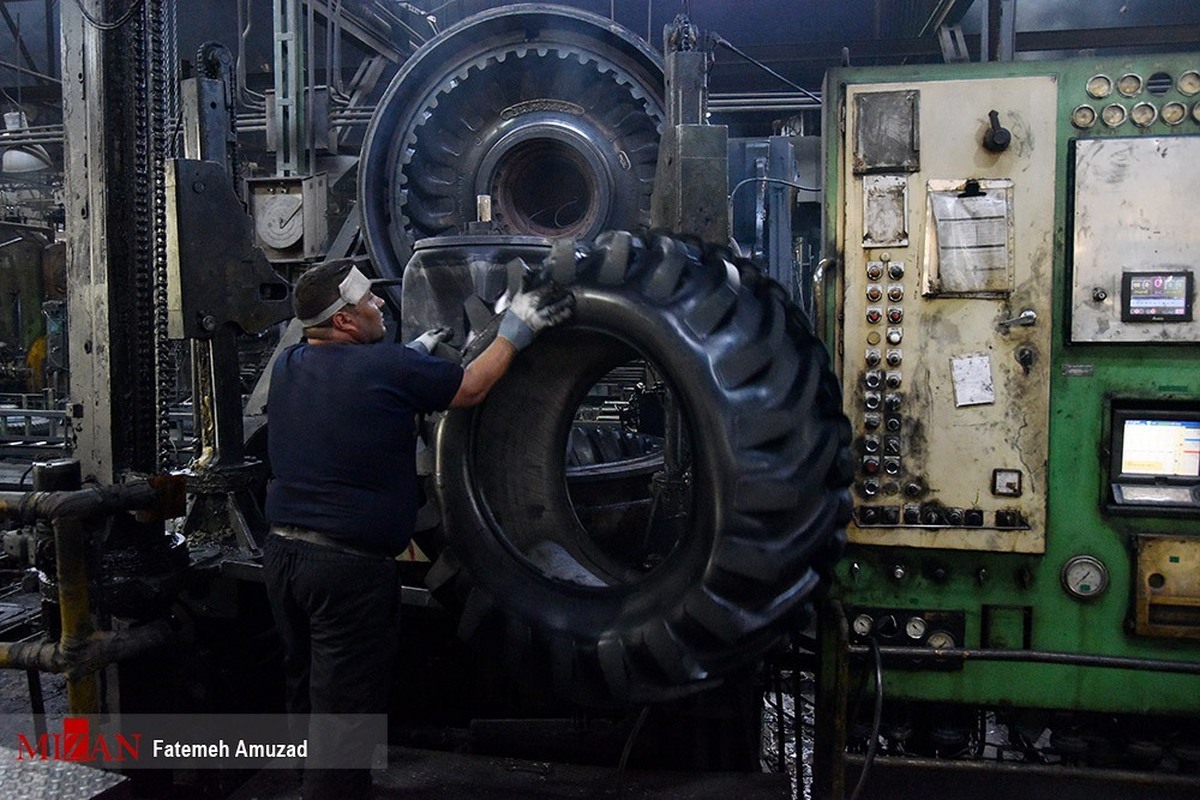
x: 1084, y: 577
x: 280, y: 223
x: 1113, y: 115
x: 1189, y: 83
x: 940, y: 640
x: 1174, y: 113
x: 1129, y: 84
x: 915, y: 627
x: 863, y: 624
x: 1099, y: 86
x: 1143, y: 114
x: 1083, y: 116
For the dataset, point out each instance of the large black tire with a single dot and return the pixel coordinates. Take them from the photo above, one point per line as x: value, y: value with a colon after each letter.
x: 769, y: 467
x: 551, y: 111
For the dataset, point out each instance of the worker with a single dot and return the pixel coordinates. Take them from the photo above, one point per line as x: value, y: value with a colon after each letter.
x: 343, y: 501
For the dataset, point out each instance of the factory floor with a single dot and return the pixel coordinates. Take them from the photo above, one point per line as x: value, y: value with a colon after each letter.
x: 429, y: 775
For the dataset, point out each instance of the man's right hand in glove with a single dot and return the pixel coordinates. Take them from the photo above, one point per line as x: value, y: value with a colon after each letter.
x: 540, y: 303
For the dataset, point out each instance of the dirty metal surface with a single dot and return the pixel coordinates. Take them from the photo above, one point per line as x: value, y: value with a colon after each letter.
x: 56, y: 780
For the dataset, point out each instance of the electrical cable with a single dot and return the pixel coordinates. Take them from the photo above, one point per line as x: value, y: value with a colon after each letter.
x: 743, y: 182
x: 637, y: 727
x: 118, y: 22
x: 873, y: 745
x: 718, y: 39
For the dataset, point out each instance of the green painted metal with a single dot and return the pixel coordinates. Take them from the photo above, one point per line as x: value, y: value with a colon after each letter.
x: 1076, y: 470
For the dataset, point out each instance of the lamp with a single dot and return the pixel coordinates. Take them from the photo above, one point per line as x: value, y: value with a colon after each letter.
x: 22, y: 158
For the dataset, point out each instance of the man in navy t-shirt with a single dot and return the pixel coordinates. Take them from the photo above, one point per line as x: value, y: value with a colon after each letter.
x: 343, y: 501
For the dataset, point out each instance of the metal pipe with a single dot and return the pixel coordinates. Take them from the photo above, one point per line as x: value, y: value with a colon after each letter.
x: 101, y: 649
x: 70, y: 544
x: 34, y: 73
x: 1030, y: 656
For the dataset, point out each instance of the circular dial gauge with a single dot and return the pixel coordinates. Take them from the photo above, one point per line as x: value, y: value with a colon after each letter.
x: 1113, y: 115
x: 1099, y: 86
x: 915, y: 627
x: 1174, y: 113
x: 280, y: 223
x: 1129, y: 84
x: 1189, y: 83
x: 1084, y: 577
x: 1143, y: 115
x: 1083, y: 116
x: 940, y: 640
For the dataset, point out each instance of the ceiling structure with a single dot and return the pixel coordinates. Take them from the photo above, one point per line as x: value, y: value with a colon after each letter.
x: 797, y: 40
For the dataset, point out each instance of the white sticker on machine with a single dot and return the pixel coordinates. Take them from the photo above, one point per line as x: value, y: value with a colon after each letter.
x: 972, y: 377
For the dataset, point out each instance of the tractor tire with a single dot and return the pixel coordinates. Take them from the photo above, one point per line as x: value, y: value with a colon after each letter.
x: 767, y: 477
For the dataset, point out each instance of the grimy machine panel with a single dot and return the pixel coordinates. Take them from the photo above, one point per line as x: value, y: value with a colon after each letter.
x: 1012, y: 309
x: 947, y: 317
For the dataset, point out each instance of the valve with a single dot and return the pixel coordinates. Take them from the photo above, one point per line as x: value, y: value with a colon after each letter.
x: 997, y: 138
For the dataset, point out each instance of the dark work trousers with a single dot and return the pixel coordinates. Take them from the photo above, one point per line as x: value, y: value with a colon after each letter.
x: 338, y: 616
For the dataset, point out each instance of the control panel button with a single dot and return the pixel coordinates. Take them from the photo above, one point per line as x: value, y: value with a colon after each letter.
x: 895, y: 315
x: 871, y: 421
x: 874, y: 315
x: 893, y: 380
x: 871, y: 444
x: 872, y: 401
x: 895, y: 335
x: 891, y: 465
x: 891, y: 445
x: 872, y: 379
x: 874, y: 293
x: 893, y: 358
x: 870, y: 465
x: 895, y: 270
x: 874, y: 271
x: 893, y: 402
x: 895, y: 293
x: 874, y: 357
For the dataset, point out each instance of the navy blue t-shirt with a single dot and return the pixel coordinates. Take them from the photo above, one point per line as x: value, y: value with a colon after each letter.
x: 342, y: 438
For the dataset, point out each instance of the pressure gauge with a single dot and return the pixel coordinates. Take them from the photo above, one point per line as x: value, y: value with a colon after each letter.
x: 940, y: 640
x: 1129, y: 84
x: 1174, y: 113
x: 280, y: 223
x: 1143, y: 114
x: 863, y: 624
x: 915, y: 627
x: 1113, y: 115
x: 1084, y: 577
x: 1189, y: 83
x: 1099, y: 86
x: 1083, y: 116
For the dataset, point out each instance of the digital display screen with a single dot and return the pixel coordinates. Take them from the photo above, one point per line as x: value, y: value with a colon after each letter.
x: 1162, y: 447
x: 1156, y: 296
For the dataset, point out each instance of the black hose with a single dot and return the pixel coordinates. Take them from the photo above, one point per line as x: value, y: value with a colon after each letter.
x: 873, y: 745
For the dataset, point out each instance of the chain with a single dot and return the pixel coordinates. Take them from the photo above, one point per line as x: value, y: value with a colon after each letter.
x: 163, y: 361
x: 143, y: 421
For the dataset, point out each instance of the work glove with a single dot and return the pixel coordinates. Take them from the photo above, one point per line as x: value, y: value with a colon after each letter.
x: 538, y: 304
x: 429, y: 339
